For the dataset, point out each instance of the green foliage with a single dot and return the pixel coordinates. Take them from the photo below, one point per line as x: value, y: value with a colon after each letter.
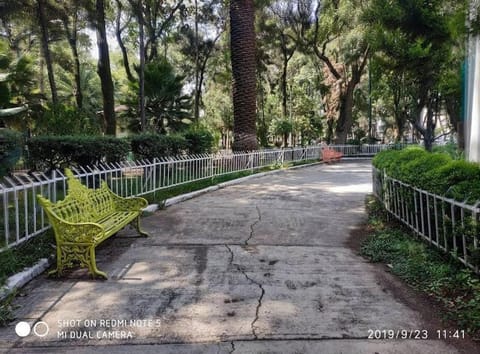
x: 450, y: 149
x: 50, y: 152
x: 66, y: 120
x: 392, y: 160
x: 150, y: 146
x: 415, y: 172
x: 434, y: 172
x: 438, y: 275
x: 167, y: 108
x: 199, y: 140
x: 457, y: 179
x: 418, y: 47
x: 6, y: 310
x: 283, y: 128
x: 14, y: 260
x: 10, y: 149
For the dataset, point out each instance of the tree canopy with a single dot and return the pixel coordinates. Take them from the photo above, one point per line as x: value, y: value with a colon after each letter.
x: 264, y: 72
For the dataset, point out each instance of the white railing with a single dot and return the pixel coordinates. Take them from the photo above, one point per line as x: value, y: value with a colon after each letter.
x: 447, y: 224
x: 23, y: 218
x: 365, y: 150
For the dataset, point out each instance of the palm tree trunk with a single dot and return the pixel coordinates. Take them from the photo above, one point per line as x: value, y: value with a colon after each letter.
x: 242, y: 38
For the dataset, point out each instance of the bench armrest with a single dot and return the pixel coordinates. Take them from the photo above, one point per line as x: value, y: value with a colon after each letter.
x: 127, y: 204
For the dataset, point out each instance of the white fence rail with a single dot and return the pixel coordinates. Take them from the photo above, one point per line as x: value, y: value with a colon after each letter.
x: 21, y: 218
x: 365, y: 150
x: 450, y: 225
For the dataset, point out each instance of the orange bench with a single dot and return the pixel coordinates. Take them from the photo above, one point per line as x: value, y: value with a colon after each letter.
x: 329, y: 155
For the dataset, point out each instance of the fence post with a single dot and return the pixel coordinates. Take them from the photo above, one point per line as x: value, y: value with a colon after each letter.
x: 54, y: 188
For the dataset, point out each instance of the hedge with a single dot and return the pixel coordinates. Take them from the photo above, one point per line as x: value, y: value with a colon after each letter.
x: 199, y: 141
x: 437, y: 173
x: 10, y: 150
x: 50, y: 152
x: 150, y: 146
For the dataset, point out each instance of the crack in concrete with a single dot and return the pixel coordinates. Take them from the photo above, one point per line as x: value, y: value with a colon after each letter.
x: 253, y: 225
x: 257, y: 310
x: 233, y: 347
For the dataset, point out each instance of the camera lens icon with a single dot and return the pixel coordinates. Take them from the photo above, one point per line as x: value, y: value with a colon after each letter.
x: 22, y: 329
x: 40, y: 329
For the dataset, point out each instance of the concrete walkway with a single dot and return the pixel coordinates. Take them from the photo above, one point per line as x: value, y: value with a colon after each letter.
x: 261, y: 266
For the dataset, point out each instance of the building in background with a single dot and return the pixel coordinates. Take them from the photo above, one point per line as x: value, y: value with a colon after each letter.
x: 472, y: 92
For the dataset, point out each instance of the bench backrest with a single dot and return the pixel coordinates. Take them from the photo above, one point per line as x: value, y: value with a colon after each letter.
x: 81, y: 203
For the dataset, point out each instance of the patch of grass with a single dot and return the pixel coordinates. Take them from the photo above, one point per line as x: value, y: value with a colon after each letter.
x: 6, y: 310
x: 425, y: 268
x: 14, y: 260
x: 163, y: 194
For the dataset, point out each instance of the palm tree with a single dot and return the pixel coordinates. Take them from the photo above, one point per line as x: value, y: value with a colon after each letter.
x: 242, y: 39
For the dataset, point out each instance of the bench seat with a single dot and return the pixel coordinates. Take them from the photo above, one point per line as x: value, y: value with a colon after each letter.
x: 329, y: 155
x: 85, y: 218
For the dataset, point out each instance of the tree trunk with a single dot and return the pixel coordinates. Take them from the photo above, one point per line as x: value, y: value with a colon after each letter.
x: 196, y: 104
x: 46, y: 50
x: 103, y: 70
x: 72, y: 41
x: 141, y: 93
x: 284, y: 86
x: 286, y: 56
x: 345, y: 118
x: 242, y: 39
x: 123, y: 49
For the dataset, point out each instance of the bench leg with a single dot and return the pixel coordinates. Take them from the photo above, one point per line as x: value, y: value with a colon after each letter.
x: 136, y: 225
x: 57, y: 272
x: 69, y: 255
x: 92, y: 265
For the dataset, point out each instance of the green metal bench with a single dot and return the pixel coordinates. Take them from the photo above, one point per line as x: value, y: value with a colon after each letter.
x: 85, y: 218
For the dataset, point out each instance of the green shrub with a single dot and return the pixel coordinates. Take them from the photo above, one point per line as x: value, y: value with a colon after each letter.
x: 62, y: 120
x: 199, y: 141
x: 392, y: 160
x: 50, y: 152
x: 150, y: 146
x: 434, y: 172
x: 415, y: 171
x: 450, y: 149
x: 457, y: 179
x: 10, y: 150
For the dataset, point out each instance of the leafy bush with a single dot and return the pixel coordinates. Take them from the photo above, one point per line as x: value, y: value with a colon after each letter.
x: 150, y: 146
x: 10, y: 150
x: 50, y: 152
x: 392, y: 160
x: 64, y: 120
x: 426, y: 269
x: 199, y: 141
x: 450, y: 149
x: 415, y: 171
x: 456, y: 179
x: 434, y: 172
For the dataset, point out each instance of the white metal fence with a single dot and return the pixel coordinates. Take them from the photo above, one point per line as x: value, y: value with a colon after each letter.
x: 365, y: 150
x: 450, y: 225
x: 23, y: 218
